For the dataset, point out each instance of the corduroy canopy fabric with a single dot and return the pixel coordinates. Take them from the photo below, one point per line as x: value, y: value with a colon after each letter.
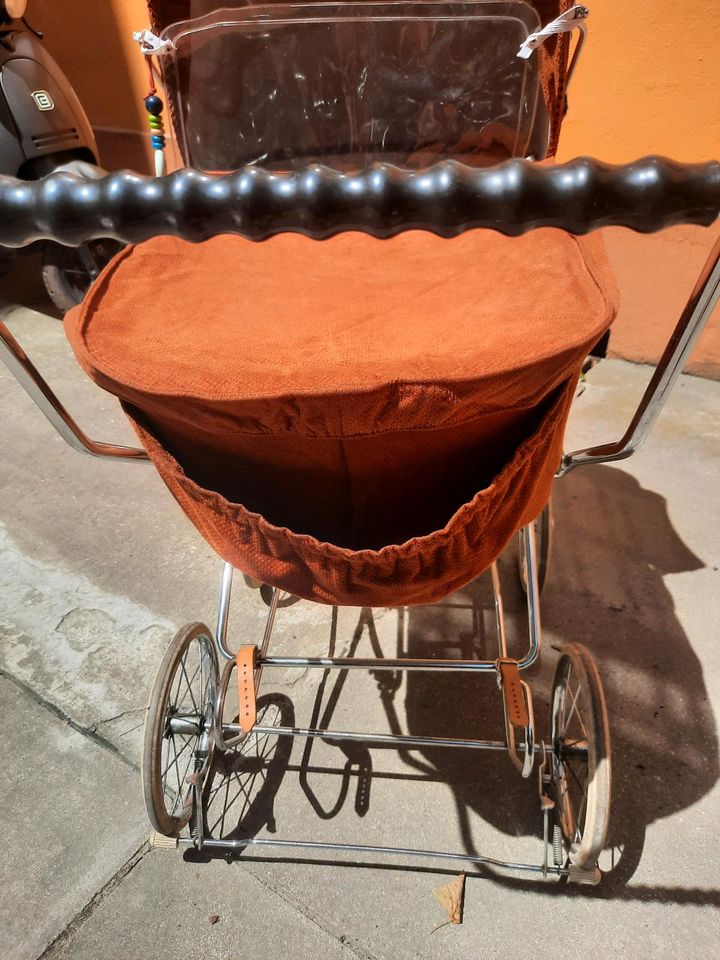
x: 355, y: 421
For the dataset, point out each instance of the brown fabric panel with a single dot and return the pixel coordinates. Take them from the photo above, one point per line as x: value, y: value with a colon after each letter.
x: 360, y: 493
x: 292, y: 481
x: 410, y: 483
x: 420, y: 570
x: 553, y: 73
x: 343, y: 337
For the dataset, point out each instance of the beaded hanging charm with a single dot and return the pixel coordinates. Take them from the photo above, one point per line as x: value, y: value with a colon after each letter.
x: 154, y: 107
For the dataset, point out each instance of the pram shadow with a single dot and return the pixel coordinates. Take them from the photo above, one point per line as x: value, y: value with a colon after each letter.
x: 614, y: 543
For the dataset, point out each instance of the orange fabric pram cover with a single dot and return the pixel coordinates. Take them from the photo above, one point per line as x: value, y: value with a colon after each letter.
x: 356, y: 421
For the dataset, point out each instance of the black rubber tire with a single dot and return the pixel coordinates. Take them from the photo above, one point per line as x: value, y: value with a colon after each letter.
x: 584, y: 842
x: 68, y: 272
x: 164, y: 821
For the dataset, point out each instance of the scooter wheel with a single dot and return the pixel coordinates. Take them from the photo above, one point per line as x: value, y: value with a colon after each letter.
x: 68, y: 272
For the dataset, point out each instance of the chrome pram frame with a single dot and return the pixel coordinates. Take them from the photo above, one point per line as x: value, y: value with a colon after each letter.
x: 41, y: 209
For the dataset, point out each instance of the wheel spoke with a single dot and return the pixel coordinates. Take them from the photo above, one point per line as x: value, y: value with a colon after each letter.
x: 240, y: 790
x: 214, y: 792
x: 192, y: 696
x: 574, y: 776
x: 271, y: 746
x: 191, y: 759
x: 579, y: 820
x: 177, y: 701
x: 174, y: 698
x: 187, y: 744
x: 192, y: 680
x: 175, y: 764
x: 240, y: 787
x: 563, y: 704
x: 574, y: 709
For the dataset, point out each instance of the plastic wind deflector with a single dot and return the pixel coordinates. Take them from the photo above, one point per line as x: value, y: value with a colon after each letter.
x: 348, y: 84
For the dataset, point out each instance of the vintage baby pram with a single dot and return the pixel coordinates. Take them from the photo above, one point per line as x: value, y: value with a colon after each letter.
x: 368, y: 420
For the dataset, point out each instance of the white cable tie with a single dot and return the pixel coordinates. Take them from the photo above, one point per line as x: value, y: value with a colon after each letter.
x: 571, y: 20
x: 151, y: 45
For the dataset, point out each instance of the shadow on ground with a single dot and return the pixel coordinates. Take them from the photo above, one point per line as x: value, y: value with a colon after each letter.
x: 613, y: 545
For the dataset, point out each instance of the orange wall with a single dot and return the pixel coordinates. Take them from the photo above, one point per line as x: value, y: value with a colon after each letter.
x: 648, y: 82
x: 92, y: 41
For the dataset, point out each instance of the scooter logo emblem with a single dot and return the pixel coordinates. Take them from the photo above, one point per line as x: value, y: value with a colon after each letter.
x: 43, y: 100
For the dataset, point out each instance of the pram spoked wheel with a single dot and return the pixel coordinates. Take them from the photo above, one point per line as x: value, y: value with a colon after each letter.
x: 580, y: 757
x: 238, y: 794
x: 179, y: 727
x: 543, y: 543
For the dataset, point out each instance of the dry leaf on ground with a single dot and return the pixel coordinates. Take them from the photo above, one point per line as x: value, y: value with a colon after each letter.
x: 450, y: 896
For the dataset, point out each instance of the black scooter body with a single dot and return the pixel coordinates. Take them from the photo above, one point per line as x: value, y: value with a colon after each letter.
x: 41, y: 118
x: 43, y: 128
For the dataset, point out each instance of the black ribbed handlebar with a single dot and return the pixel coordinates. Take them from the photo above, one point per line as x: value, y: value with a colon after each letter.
x: 382, y: 200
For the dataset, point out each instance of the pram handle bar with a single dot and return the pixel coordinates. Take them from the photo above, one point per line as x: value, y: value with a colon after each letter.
x: 383, y: 200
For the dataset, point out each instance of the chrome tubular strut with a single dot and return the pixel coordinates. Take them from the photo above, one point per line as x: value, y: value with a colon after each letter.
x: 36, y: 387
x: 700, y: 305
x: 533, y: 594
x: 380, y: 739
x: 385, y: 663
x: 269, y: 624
x: 356, y: 848
x: 524, y: 764
x: 223, y: 613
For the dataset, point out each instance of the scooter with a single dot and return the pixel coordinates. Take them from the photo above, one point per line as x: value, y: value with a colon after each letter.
x: 44, y: 129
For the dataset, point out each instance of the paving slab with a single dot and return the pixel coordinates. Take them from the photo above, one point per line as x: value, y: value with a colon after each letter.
x: 71, y: 819
x: 160, y: 912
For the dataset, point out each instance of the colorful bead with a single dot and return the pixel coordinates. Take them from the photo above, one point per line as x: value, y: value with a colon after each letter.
x: 154, y: 105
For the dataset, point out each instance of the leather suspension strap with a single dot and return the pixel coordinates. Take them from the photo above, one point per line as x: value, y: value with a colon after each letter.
x: 245, y: 661
x: 511, y: 687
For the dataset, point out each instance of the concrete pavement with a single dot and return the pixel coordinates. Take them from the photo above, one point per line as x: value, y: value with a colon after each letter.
x: 98, y: 567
